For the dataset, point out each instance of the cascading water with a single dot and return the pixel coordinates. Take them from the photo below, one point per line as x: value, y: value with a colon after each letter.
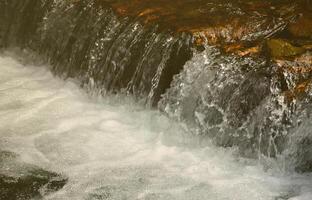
x: 257, y: 107
x: 237, y: 102
x: 113, y: 148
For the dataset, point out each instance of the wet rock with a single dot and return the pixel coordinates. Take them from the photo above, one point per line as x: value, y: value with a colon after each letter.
x: 302, y: 27
x: 225, y: 93
x: 282, y: 48
x: 208, y: 116
x: 296, y: 72
x: 300, y: 151
x: 305, y: 155
x: 213, y: 116
x: 304, y: 60
x: 22, y: 181
x: 241, y: 49
x: 249, y: 95
x: 298, y: 92
x: 231, y: 21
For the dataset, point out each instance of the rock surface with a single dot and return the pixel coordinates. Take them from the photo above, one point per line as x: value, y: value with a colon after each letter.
x: 22, y: 181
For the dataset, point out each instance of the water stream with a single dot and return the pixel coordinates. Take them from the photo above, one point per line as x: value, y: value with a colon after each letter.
x: 114, y: 148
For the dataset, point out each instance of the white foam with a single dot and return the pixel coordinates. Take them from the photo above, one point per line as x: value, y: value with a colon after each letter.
x: 121, y: 150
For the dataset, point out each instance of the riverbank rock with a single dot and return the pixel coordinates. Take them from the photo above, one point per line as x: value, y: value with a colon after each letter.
x: 23, y: 181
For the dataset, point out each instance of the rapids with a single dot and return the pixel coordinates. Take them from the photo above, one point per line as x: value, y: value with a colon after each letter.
x: 114, y: 148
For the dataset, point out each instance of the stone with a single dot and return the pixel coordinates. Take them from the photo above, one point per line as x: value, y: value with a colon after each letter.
x: 232, y: 21
x: 302, y: 27
x: 241, y: 49
x: 297, y: 72
x: 300, y: 151
x: 305, y: 155
x: 251, y: 92
x: 282, y: 48
x: 23, y: 181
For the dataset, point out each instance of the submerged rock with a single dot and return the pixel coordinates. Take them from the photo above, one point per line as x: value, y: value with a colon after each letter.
x: 22, y: 181
x: 300, y: 149
x: 250, y: 94
x: 247, y: 97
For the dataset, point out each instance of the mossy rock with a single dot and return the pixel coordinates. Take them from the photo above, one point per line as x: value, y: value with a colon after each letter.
x: 282, y: 48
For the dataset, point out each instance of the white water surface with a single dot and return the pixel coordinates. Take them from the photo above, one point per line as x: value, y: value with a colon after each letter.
x: 113, y: 148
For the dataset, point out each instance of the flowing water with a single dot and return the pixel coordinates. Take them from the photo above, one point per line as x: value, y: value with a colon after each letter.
x: 249, y: 102
x: 113, y: 148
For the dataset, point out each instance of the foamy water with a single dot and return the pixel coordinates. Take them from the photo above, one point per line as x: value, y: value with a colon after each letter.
x: 112, y: 148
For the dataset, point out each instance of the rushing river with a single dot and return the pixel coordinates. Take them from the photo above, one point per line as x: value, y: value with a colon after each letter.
x: 113, y: 148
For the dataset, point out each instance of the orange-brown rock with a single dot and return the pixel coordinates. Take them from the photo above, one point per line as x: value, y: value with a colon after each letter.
x: 294, y: 69
x: 302, y: 27
x: 298, y: 91
x: 241, y: 49
x: 305, y: 59
x: 307, y: 47
x: 220, y: 21
x: 300, y: 69
x: 227, y: 23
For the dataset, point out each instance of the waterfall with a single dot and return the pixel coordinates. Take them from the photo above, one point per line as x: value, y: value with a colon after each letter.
x: 245, y: 102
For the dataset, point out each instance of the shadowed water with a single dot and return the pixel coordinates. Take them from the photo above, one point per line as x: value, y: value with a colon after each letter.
x: 112, y: 148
